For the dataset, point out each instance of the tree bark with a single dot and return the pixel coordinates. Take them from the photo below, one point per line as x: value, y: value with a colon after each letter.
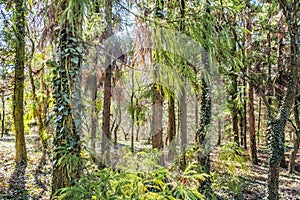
x: 93, y: 110
x: 244, y: 118
x: 171, y: 126
x: 297, y: 139
x: 259, y: 122
x: 234, y: 111
x: 67, y: 163
x: 106, y: 134
x: 37, y: 109
x: 156, y: 132
x: 277, y: 125
x: 3, y: 116
x: 252, y: 125
x: 183, y: 124
x: 18, y: 107
x: 251, y: 117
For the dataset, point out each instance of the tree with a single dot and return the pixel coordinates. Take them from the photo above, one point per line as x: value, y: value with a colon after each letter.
x: 182, y: 101
x: 106, y: 134
x: 251, y: 117
x: 297, y: 130
x: 67, y: 144
x: 157, y: 91
x: 277, y: 124
x: 18, y: 107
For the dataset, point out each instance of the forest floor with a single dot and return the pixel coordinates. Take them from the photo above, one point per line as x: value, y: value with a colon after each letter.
x: 32, y: 180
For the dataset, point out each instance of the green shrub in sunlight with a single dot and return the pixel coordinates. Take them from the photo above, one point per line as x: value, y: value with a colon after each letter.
x: 152, y: 182
x: 231, y: 163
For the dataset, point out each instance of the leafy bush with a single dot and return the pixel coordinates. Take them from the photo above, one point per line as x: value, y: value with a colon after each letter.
x: 126, y: 184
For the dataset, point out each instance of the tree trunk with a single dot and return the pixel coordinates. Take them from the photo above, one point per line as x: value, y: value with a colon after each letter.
x: 156, y: 132
x: 251, y: 118
x: 94, y: 112
x: 106, y: 135
x: 252, y: 125
x: 183, y: 124
x: 219, y: 131
x: 133, y: 110
x: 244, y: 118
x: 157, y: 116
x: 37, y: 109
x: 202, y: 132
x: 3, y: 116
x: 277, y: 125
x: 67, y: 163
x: 279, y: 90
x: 234, y: 111
x: 241, y: 125
x: 171, y: 126
x: 297, y: 139
x: 18, y: 107
x: 259, y: 121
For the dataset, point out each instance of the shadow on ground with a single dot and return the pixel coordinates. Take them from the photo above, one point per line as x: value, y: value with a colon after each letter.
x: 17, y: 189
x: 40, y: 172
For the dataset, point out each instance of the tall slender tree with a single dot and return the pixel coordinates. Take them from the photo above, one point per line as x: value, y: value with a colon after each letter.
x: 157, y: 101
x: 277, y: 123
x: 106, y: 134
x: 251, y: 115
x: 18, y: 98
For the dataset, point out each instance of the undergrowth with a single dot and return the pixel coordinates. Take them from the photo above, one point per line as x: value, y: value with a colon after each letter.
x: 139, y: 177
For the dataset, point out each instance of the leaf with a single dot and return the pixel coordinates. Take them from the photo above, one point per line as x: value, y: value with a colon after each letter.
x: 75, y: 60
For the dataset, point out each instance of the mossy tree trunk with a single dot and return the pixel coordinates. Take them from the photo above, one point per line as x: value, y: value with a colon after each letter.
x: 18, y: 107
x: 202, y: 132
x: 277, y: 124
x: 67, y: 145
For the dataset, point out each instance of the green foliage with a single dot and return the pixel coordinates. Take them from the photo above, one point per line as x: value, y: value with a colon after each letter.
x: 125, y: 183
x: 231, y: 162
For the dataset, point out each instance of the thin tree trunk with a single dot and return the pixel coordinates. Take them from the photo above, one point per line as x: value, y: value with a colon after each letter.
x: 106, y: 134
x: 93, y: 110
x: 202, y: 132
x: 241, y: 125
x: 252, y: 126
x: 133, y: 110
x: 37, y: 110
x: 234, y: 112
x: 297, y: 139
x: 183, y: 105
x: 259, y: 121
x: 183, y: 124
x: 18, y: 107
x: 244, y: 114
x: 157, y: 141
x: 251, y: 117
x: 171, y: 126
x: 3, y: 116
x: 283, y: 162
x: 219, y: 131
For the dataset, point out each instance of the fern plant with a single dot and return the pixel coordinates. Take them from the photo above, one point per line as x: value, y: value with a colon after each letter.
x: 157, y: 183
x: 231, y: 162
